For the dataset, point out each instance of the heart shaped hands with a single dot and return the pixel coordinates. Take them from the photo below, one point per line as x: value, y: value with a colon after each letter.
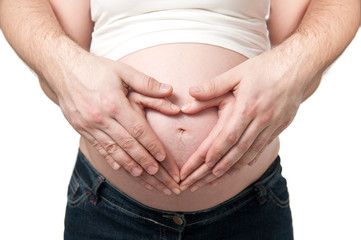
x: 167, y: 179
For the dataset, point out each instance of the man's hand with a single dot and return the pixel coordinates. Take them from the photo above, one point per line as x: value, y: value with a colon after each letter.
x: 167, y: 178
x: 266, y: 103
x: 93, y: 98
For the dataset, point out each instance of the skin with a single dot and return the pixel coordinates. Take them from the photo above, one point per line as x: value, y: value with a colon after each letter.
x: 252, y: 125
x: 65, y: 14
x: 98, y: 112
x: 76, y: 22
x: 266, y: 104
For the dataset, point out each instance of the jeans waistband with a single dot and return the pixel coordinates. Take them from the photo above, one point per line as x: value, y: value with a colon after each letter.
x: 101, y: 189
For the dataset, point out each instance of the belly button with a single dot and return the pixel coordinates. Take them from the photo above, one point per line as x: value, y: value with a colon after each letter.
x: 181, y: 130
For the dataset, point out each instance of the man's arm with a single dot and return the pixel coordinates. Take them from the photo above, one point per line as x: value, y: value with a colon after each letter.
x: 90, y: 90
x: 270, y: 87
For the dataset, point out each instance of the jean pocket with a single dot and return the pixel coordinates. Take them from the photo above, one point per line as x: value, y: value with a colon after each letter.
x: 278, y: 192
x: 77, y: 191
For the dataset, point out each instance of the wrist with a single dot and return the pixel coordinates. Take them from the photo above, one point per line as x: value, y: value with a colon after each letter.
x: 60, y: 60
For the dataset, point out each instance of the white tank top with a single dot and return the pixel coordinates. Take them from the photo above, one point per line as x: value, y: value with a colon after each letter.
x: 125, y: 26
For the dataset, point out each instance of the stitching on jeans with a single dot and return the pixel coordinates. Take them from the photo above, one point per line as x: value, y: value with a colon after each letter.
x: 277, y: 201
x: 78, y: 201
x: 133, y: 214
x: 81, y: 179
x: 225, y: 213
x: 72, y: 182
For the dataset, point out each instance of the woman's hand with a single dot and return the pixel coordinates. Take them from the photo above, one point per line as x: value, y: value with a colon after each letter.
x: 195, y: 173
x: 93, y: 98
x: 267, y: 96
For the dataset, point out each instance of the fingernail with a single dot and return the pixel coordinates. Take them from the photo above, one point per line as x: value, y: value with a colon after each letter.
x: 194, y: 188
x: 165, y: 87
x: 176, y: 191
x: 182, y: 177
x: 115, y: 165
x: 152, y: 170
x: 159, y: 156
x: 176, y: 178
x: 174, y: 107
x: 184, y: 187
x: 136, y: 171
x: 186, y: 106
x: 196, y: 89
x: 218, y: 173
x: 167, y: 192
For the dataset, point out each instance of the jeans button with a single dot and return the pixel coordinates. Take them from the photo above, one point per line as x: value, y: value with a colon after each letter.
x: 177, y: 220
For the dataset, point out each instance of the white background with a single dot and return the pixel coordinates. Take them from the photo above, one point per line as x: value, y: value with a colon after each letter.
x: 320, y: 153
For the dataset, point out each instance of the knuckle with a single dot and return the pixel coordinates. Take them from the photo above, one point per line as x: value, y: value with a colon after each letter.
x: 110, y: 107
x: 112, y: 148
x: 128, y: 164
x: 152, y: 147
x: 232, y: 138
x: 267, y: 117
x: 137, y: 131
x: 257, y: 146
x: 243, y: 147
x: 148, y: 82
x: 97, y: 146
x: 143, y: 160
x: 127, y: 143
x: 211, y: 87
x: 94, y: 116
x: 250, y: 110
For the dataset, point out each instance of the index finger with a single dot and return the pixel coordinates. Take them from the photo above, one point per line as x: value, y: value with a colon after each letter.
x: 228, y: 137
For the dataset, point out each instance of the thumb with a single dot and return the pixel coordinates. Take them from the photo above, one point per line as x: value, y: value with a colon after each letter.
x: 215, y: 87
x: 142, y: 83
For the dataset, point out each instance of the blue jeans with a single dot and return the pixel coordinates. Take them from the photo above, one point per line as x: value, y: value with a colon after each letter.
x: 96, y: 210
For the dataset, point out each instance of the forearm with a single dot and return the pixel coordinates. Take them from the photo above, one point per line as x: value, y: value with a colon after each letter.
x: 325, y: 31
x: 35, y: 34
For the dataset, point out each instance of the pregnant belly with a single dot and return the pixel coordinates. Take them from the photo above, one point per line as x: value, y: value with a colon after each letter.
x: 182, y: 66
x: 182, y: 134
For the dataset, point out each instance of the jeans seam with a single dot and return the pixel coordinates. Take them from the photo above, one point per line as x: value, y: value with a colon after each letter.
x: 78, y: 201
x: 82, y: 180
x: 225, y: 213
x: 277, y: 201
x: 134, y: 214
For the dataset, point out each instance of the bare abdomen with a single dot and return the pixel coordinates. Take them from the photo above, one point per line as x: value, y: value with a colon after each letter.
x: 183, y: 65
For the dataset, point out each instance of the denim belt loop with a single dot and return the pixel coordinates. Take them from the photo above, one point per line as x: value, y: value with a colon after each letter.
x: 97, y: 183
x: 262, y: 193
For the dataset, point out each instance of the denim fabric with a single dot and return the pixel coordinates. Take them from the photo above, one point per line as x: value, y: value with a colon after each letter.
x: 96, y: 210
